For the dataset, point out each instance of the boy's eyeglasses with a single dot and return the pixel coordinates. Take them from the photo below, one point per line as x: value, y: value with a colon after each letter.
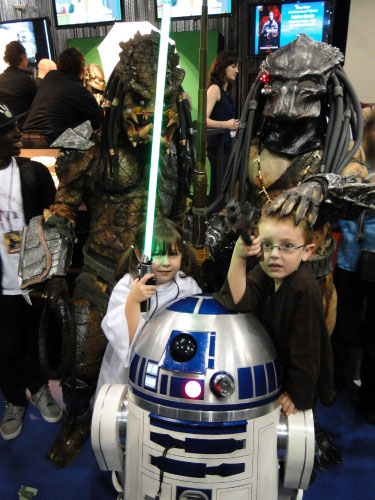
x: 283, y: 248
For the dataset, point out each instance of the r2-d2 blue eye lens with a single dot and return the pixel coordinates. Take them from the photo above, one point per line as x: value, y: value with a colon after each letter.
x: 183, y: 348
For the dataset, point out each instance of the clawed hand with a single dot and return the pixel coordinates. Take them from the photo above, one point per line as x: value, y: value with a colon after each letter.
x: 304, y: 199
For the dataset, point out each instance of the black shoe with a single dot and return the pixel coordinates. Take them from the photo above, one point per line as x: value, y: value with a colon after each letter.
x: 370, y: 417
x: 333, y: 399
x: 368, y: 411
x: 326, y: 452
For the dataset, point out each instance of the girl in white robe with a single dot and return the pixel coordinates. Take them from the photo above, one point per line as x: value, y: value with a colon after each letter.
x: 173, y: 261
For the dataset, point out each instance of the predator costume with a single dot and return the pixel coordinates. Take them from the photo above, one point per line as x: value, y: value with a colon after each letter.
x: 94, y: 81
x: 111, y: 178
x: 293, y: 150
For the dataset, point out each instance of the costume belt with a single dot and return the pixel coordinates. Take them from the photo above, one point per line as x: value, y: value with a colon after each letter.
x: 98, y: 265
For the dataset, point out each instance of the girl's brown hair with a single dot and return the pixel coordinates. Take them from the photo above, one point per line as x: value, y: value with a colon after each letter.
x: 167, y: 234
x: 217, y: 70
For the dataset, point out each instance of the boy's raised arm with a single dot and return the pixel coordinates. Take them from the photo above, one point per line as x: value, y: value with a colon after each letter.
x: 237, y: 268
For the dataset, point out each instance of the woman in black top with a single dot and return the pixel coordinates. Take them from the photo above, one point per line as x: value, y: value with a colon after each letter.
x: 221, y: 113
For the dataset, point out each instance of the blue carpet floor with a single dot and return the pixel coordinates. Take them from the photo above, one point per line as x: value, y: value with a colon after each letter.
x: 355, y: 478
x: 22, y: 461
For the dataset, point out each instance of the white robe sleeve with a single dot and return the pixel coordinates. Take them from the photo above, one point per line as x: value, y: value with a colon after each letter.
x: 115, y: 364
x: 114, y: 323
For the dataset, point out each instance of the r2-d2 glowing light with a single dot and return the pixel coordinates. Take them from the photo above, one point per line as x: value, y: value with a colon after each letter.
x: 200, y: 418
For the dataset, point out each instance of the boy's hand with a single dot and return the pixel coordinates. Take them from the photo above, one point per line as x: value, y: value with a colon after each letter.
x: 139, y: 291
x: 287, y: 404
x: 244, y: 251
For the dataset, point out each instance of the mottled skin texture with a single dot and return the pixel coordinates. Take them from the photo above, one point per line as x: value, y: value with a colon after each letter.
x: 111, y: 213
x: 113, y: 219
x: 116, y: 198
x: 117, y: 206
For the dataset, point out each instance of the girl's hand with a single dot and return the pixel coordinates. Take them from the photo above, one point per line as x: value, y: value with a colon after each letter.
x: 287, y: 404
x: 139, y: 291
x: 244, y: 251
x: 233, y: 124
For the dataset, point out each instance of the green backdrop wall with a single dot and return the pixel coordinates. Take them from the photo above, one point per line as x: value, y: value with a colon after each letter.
x: 89, y: 47
x: 187, y: 45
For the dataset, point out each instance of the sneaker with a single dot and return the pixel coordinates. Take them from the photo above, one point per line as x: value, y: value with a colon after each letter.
x: 49, y: 409
x: 11, y: 425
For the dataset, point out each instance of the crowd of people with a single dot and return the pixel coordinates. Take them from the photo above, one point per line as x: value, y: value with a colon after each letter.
x: 280, y: 288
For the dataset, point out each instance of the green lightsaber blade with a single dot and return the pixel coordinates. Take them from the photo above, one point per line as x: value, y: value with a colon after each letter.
x: 158, y: 117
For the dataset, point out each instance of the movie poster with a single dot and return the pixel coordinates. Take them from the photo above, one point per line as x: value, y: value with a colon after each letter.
x: 269, y: 28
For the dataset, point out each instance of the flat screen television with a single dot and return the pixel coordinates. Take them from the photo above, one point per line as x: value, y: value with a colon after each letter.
x: 70, y: 13
x: 193, y: 8
x: 34, y: 34
x: 274, y: 25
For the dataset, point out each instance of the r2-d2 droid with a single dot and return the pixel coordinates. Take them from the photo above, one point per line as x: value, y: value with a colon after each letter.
x: 199, y: 419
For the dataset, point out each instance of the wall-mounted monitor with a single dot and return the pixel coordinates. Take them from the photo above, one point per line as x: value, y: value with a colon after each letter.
x: 274, y: 25
x: 74, y: 13
x: 34, y: 34
x: 193, y: 8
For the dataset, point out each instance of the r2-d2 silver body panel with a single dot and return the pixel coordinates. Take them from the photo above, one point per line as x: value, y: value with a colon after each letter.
x: 201, y: 413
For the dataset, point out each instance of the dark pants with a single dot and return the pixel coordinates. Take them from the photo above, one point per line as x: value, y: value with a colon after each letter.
x: 218, y: 169
x: 367, y: 391
x: 19, y: 360
x: 346, y: 335
x: 355, y: 328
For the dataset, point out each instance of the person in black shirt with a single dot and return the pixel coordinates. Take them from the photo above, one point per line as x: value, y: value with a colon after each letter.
x: 17, y: 86
x: 61, y: 102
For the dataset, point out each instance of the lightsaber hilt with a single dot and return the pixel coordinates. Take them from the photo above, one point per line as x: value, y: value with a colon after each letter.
x: 145, y: 267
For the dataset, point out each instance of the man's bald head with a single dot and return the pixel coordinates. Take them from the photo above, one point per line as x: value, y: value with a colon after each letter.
x: 45, y: 65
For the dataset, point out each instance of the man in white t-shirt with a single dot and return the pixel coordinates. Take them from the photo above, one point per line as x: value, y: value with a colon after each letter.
x: 26, y: 188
